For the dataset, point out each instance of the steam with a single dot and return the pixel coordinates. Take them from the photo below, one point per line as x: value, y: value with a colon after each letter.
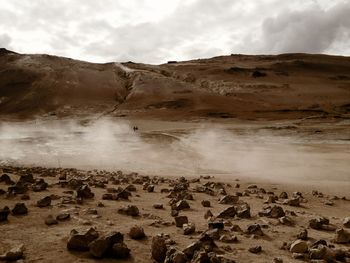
x: 113, y: 145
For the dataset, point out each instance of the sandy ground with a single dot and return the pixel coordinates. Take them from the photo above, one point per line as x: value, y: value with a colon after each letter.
x: 277, y: 156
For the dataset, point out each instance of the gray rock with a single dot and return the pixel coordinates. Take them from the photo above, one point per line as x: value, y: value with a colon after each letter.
x: 81, y: 242
x: 181, y: 205
x: 4, y: 212
x: 229, y: 200
x: 180, y: 220
x: 227, y: 212
x: 120, y: 251
x: 130, y: 210
x: 20, y: 209
x: 14, y: 254
x: 299, y: 246
x: 189, y: 228
x: 205, y: 203
x: 50, y: 220
x: 342, y: 236
x: 255, y: 249
x: 44, y: 202
x: 137, y: 232
x: 159, y: 248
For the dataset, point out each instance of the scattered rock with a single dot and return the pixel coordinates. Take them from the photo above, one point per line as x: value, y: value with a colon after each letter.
x: 255, y: 249
x: 20, y: 209
x: 346, y: 222
x: 63, y: 216
x: 159, y: 248
x: 81, y: 242
x: 102, y: 246
x: 120, y: 251
x: 181, y: 205
x: 255, y: 229
x: 208, y: 214
x: 188, y: 228
x: 175, y: 256
x: 342, y: 236
x: 273, y: 212
x: 84, y: 191
x: 50, y: 220
x: 14, y: 254
x: 303, y: 235
x: 226, y: 238
x: 229, y: 200
x: 299, y: 246
x: 137, y: 232
x: 4, y: 212
x: 227, y: 212
x: 130, y: 210
x: 205, y: 203
x: 180, y: 220
x: 158, y: 206
x: 44, y: 202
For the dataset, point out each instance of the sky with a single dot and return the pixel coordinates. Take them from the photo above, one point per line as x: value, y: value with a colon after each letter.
x: 155, y: 31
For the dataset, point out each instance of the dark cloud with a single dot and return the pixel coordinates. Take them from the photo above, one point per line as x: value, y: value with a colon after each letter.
x: 154, y: 31
x: 312, y: 30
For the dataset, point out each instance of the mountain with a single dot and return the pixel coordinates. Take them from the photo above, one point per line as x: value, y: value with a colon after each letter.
x: 282, y: 86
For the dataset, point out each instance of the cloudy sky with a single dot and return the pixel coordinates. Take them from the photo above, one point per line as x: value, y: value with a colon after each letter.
x: 154, y: 31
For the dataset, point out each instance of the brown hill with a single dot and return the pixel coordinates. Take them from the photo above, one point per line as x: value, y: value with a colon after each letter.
x: 236, y: 86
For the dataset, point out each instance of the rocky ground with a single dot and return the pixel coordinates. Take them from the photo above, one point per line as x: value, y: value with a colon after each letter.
x: 69, y: 215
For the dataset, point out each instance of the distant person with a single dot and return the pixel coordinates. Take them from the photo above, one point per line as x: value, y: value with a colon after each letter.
x: 135, y: 128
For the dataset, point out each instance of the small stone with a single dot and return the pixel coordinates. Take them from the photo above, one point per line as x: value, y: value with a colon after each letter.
x: 25, y: 197
x: 216, y: 225
x: 299, y: 246
x: 50, y: 220
x: 174, y: 213
x: 229, y: 200
x: 101, y: 246
x: 150, y: 188
x: 346, y: 222
x: 205, y: 203
x: 226, y: 238
x: 180, y: 220
x: 81, y: 242
x: 44, y: 202
x: 63, y: 216
x: 342, y: 236
x: 14, y: 254
x: 255, y: 229
x: 208, y: 214
x: 303, y: 235
x: 292, y: 202
x: 20, y: 209
x: 136, y: 232
x: 255, y: 249
x: 283, y: 195
x: 4, y: 212
x: 120, y: 250
x: 130, y: 210
x: 175, y: 256
x: 158, y: 206
x: 84, y: 191
x: 189, y: 228
x: 277, y: 260
x: 227, y: 212
x: 159, y: 248
x: 181, y: 205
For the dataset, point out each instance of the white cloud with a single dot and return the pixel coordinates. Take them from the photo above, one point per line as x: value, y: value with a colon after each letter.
x: 155, y: 31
